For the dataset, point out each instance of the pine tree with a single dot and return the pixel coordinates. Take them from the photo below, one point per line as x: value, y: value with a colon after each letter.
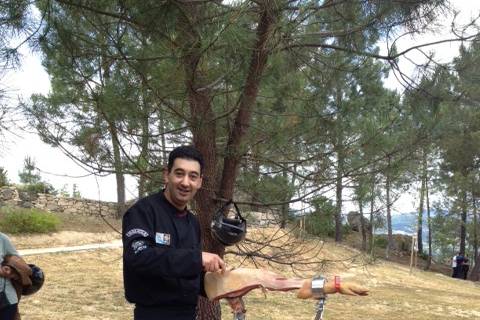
x: 29, y: 174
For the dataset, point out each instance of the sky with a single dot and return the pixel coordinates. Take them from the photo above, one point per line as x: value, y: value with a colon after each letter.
x: 55, y: 168
x: 60, y: 171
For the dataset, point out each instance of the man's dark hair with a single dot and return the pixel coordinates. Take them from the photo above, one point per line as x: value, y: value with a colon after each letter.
x: 185, y: 152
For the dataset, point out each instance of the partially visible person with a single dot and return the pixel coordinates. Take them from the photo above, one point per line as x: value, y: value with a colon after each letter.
x: 8, y: 294
x: 465, y: 267
x: 163, y: 262
x: 455, y: 265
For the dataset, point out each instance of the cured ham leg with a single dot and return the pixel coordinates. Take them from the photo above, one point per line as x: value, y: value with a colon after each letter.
x: 234, y: 284
x: 238, y: 282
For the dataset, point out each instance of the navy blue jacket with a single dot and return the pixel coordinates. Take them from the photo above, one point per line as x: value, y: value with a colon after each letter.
x: 162, y: 258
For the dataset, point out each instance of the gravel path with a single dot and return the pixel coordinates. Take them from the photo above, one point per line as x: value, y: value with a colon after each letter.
x: 85, y: 247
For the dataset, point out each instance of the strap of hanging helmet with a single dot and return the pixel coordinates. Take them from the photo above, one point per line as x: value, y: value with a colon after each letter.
x: 228, y: 203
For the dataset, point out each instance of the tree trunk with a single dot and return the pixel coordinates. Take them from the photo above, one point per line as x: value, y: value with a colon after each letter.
x: 118, y: 165
x: 104, y: 72
x: 463, y: 228
x: 340, y: 170
x: 420, y: 217
x: 362, y: 224
x: 475, y: 273
x: 163, y: 140
x: 143, y: 158
x: 258, y: 61
x: 420, y: 210
x: 203, y: 139
x: 207, y: 310
x: 203, y: 125
x: 429, y: 225
x: 475, y: 228
x: 390, y: 243
x: 256, y: 171
x: 372, y: 208
x: 338, y: 203
x: 285, y: 206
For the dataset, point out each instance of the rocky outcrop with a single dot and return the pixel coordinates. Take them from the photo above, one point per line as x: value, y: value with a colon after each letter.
x: 9, y: 196
x: 355, y: 223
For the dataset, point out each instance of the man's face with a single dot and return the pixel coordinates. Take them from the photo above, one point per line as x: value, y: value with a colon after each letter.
x: 182, y: 182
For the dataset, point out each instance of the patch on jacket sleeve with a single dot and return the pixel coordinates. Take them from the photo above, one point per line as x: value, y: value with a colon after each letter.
x: 138, y: 246
x: 135, y: 231
x: 162, y: 238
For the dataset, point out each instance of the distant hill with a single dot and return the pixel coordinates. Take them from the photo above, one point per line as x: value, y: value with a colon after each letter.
x: 406, y: 223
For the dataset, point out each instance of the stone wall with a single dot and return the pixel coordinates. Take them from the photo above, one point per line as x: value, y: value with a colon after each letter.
x: 13, y: 197
x: 260, y: 219
x: 9, y: 196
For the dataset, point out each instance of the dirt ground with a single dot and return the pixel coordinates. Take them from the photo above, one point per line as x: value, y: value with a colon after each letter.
x: 88, y: 285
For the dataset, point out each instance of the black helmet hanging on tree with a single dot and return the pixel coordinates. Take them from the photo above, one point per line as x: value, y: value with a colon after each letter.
x: 228, y: 231
x: 37, y: 277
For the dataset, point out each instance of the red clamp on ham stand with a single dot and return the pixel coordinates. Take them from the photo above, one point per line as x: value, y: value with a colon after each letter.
x: 337, y: 283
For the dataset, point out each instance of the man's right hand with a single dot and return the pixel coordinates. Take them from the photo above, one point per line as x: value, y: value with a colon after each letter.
x: 212, y: 262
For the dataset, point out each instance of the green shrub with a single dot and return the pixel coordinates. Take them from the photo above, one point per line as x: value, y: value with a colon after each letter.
x: 39, y: 187
x: 321, y: 222
x: 3, y: 177
x: 346, y: 230
x: 381, y: 242
x: 21, y: 220
x: 320, y: 225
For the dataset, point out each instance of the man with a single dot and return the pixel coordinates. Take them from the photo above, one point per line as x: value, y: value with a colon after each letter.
x: 163, y: 264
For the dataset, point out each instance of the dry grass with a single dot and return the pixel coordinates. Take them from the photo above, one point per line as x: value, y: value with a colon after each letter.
x: 89, y: 285
x: 81, y: 285
x: 74, y: 230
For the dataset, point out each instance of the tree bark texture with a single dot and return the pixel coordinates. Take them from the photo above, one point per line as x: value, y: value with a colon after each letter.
x: 420, y: 213
x: 372, y: 207
x: 144, y: 142
x: 429, y: 224
x: 285, y: 206
x: 339, y: 192
x: 362, y: 224
x: 390, y: 243
x: 204, y: 138
x: 207, y: 310
x: 340, y: 151
x: 463, y: 223
x: 475, y: 227
x: 117, y: 163
x: 475, y: 273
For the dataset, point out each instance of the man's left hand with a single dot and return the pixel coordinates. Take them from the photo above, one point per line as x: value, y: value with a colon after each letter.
x: 8, y: 272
